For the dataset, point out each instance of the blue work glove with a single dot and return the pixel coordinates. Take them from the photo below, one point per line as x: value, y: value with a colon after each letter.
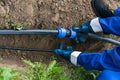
x: 84, y: 28
x: 66, y: 52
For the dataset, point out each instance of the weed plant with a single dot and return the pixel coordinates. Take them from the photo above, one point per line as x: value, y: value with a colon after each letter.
x: 79, y: 73
x: 9, y: 74
x: 37, y: 71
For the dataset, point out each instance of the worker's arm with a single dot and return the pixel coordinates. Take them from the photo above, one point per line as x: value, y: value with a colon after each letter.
x: 109, y: 25
x: 108, y: 60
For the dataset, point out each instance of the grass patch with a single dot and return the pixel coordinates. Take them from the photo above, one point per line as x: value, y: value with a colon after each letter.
x: 38, y: 71
x: 9, y: 74
x: 9, y: 23
x: 52, y: 71
x: 78, y: 73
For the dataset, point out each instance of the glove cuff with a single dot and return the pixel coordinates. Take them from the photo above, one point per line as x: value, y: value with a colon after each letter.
x: 74, y: 57
x: 95, y: 25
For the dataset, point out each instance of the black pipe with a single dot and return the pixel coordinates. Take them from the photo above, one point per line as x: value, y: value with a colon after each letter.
x: 55, y: 32
x: 94, y: 36
x: 29, y: 32
x: 25, y: 49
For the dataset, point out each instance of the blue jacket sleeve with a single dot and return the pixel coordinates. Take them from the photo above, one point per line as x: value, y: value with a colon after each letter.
x: 106, y: 60
x: 111, y: 24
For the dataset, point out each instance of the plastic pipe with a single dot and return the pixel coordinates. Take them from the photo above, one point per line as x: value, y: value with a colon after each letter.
x: 28, y: 32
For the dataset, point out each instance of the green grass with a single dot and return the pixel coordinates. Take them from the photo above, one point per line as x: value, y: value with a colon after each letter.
x: 9, y: 74
x: 10, y: 23
x: 78, y: 73
x: 52, y: 71
x: 37, y: 71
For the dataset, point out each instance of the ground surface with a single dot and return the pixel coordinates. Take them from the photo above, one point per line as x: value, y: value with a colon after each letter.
x: 44, y: 14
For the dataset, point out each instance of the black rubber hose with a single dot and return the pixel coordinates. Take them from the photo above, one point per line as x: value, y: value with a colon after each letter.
x: 26, y: 49
x: 94, y: 36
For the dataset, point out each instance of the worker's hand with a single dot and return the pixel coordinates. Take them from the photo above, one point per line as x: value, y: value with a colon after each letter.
x: 84, y: 28
x: 66, y: 52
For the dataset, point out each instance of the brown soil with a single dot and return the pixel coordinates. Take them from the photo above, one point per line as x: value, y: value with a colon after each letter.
x: 44, y: 14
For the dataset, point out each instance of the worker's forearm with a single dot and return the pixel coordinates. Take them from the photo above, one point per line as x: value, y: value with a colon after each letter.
x: 109, y: 60
x: 109, y: 25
